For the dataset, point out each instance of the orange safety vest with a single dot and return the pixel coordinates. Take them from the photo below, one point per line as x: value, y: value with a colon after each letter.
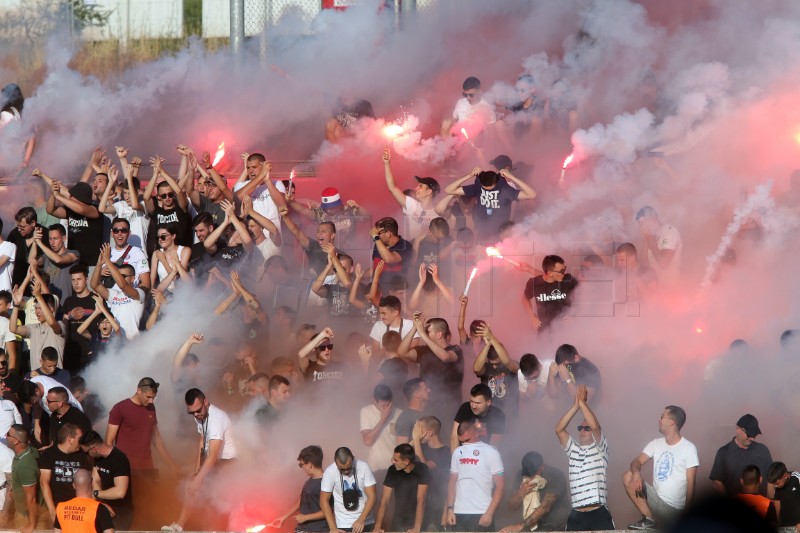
x: 757, y: 502
x: 77, y: 515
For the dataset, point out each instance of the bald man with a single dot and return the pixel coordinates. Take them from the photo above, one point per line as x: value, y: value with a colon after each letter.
x: 82, y: 513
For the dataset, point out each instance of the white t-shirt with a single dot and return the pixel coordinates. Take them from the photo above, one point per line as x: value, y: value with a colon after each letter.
x: 380, y: 453
x: 418, y: 220
x: 217, y: 426
x: 482, y: 111
x: 5, y: 336
x: 475, y: 464
x: 48, y: 383
x: 263, y: 204
x: 267, y: 248
x: 138, y: 220
x: 670, y: 464
x: 7, y: 249
x: 587, y: 472
x: 541, y: 380
x: 6, y: 458
x: 379, y: 329
x: 135, y: 258
x: 126, y: 310
x: 332, y: 481
x: 668, y: 238
x: 9, y: 414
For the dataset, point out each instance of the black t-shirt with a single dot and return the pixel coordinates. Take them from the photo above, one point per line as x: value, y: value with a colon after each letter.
x: 437, y: 488
x: 115, y: 465
x: 395, y: 374
x: 494, y: 421
x: 21, y: 257
x: 317, y: 258
x: 333, y: 372
x: 177, y: 216
x: 587, y: 373
x: 85, y: 235
x: 731, y: 460
x: 444, y: 379
x: 494, y: 206
x: 228, y: 257
x: 266, y: 415
x: 62, y: 466
x: 102, y: 520
x: 556, y: 519
x: 309, y: 504
x: 406, y: 251
x: 504, y: 385
x: 77, y: 352
x: 201, y: 261
x: 72, y: 416
x: 13, y: 382
x: 789, y: 496
x: 338, y: 299
x: 551, y: 298
x: 405, y: 485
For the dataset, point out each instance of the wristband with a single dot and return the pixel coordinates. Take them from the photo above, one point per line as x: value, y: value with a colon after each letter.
x: 376, y: 238
x: 96, y: 494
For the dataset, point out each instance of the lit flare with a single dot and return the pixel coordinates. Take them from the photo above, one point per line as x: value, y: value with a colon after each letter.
x: 568, y: 160
x: 392, y: 131
x: 219, y: 154
x: 491, y: 251
x: 469, y: 281
x: 464, y: 133
x: 256, y: 529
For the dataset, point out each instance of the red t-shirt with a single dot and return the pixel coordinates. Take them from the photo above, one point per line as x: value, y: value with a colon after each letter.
x: 136, y: 425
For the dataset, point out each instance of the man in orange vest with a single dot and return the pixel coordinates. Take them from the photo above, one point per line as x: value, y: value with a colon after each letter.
x: 83, y: 514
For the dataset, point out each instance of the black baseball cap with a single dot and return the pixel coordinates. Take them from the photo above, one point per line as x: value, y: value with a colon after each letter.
x: 501, y: 161
x: 749, y: 424
x: 430, y: 182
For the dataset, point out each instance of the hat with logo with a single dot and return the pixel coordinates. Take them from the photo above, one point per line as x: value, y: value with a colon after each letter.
x: 148, y: 383
x: 330, y: 198
x: 749, y: 424
x: 430, y: 182
x: 501, y: 161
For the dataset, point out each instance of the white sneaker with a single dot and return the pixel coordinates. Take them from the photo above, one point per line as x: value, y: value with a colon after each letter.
x: 172, y: 527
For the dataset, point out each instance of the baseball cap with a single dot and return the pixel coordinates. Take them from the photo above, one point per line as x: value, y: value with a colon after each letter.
x: 501, y: 161
x: 749, y: 424
x: 82, y: 192
x: 331, y: 198
x: 430, y: 182
x: 531, y: 463
x: 149, y: 383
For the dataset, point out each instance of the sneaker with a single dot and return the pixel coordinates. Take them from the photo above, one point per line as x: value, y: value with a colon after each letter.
x: 172, y: 527
x: 644, y: 523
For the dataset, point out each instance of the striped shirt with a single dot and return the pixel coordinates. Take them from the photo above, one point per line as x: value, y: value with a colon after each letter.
x: 587, y: 472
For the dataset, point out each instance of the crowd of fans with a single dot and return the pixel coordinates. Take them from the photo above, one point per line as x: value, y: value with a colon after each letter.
x: 92, y: 265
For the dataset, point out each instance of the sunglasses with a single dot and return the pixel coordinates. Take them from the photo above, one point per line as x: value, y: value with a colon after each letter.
x: 3, y: 363
x: 324, y: 347
x: 167, y: 195
x: 584, y: 428
x: 120, y: 230
x: 163, y: 236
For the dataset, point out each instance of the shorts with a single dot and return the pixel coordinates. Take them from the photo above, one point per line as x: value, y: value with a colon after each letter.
x: 595, y: 520
x: 662, y: 511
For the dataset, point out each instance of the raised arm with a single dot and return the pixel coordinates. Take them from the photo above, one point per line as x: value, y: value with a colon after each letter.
x: 63, y: 196
x: 180, y: 196
x: 306, y: 350
x: 302, y: 238
x: 354, y: 298
x: 499, y: 347
x: 390, y: 184
x: 47, y: 313
x: 526, y: 191
x: 104, y: 206
x: 66, y: 259
x: 463, y: 336
x: 241, y: 229
x: 119, y: 279
x: 561, y: 426
x: 444, y: 355
x: 183, y: 351
x: 455, y: 187
x: 261, y: 220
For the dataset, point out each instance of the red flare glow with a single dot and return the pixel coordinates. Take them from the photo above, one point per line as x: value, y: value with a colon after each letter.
x: 219, y: 154
x: 256, y: 529
x: 464, y: 133
x: 568, y: 160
